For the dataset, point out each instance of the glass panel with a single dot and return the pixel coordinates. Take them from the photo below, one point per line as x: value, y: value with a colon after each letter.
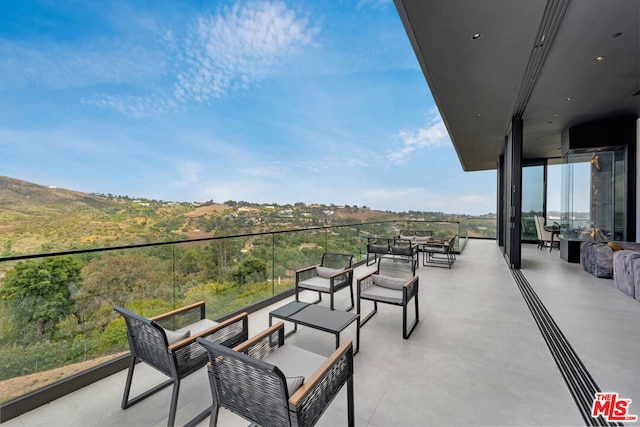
x: 554, y: 193
x: 593, y: 194
x: 57, y: 310
x: 532, y: 200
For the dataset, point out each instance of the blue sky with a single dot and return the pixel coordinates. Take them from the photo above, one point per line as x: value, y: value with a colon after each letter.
x: 264, y: 101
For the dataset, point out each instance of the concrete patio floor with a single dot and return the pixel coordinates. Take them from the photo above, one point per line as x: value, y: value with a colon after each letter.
x: 476, y: 358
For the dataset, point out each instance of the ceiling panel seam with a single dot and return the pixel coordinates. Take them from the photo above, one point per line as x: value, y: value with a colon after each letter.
x: 554, y: 13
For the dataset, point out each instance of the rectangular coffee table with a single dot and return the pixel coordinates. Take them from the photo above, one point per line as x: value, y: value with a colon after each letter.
x: 317, y: 317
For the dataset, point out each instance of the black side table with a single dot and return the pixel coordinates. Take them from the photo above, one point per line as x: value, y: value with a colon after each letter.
x: 570, y: 249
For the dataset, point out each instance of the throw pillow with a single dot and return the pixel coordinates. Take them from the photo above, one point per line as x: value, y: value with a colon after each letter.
x: 614, y: 246
x: 326, y: 272
x: 389, y: 282
x: 294, y: 383
x: 173, y: 336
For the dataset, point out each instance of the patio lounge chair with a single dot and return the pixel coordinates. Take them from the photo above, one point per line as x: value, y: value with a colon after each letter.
x: 270, y: 383
x: 394, y: 283
x: 331, y: 275
x: 168, y: 343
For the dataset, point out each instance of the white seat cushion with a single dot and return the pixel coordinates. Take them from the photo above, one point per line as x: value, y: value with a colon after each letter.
x: 382, y: 294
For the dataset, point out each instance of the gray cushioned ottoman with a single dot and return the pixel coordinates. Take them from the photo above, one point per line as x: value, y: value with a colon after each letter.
x: 597, y: 258
x: 625, y: 263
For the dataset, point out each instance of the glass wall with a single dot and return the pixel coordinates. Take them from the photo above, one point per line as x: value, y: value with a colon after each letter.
x: 593, y: 205
x: 533, y: 198
x: 554, y: 190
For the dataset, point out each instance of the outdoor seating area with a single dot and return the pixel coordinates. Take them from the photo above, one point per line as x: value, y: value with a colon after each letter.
x: 466, y: 363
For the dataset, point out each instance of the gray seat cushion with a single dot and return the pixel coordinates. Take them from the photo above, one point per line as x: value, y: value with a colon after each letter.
x: 295, y: 362
x: 199, y: 326
x: 316, y: 283
x: 379, y: 293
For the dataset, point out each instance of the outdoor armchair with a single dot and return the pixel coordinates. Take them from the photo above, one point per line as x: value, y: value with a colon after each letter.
x: 403, y: 248
x: 377, y: 246
x: 270, y: 383
x: 331, y: 275
x: 394, y: 283
x: 545, y: 236
x: 439, y: 251
x: 168, y: 343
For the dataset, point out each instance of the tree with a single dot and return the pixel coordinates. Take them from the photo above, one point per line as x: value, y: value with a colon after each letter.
x: 39, y: 294
x: 251, y: 270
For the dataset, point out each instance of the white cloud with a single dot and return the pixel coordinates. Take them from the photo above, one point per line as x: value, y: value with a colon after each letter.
x: 433, y: 136
x: 130, y: 105
x: 237, y: 48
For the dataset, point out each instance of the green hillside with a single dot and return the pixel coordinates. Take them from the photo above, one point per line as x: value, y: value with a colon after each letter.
x: 40, y: 219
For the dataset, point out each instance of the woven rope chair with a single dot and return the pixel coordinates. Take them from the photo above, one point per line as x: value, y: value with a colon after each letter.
x: 331, y: 275
x: 168, y: 343
x: 294, y: 391
x: 393, y: 283
x: 377, y: 247
x: 439, y: 251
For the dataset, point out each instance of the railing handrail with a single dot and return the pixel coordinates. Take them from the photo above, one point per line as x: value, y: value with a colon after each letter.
x: 204, y: 239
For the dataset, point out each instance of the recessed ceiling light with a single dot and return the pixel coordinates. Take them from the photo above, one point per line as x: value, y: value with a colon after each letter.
x: 568, y: 98
x: 476, y: 36
x: 600, y: 58
x: 479, y: 115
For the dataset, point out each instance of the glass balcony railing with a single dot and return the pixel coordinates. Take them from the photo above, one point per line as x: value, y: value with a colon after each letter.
x: 56, y: 313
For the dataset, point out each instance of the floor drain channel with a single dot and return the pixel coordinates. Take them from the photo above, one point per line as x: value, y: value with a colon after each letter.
x: 576, y: 376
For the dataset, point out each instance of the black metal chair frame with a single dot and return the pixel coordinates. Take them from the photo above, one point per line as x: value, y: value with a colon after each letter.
x: 377, y: 246
x: 257, y: 390
x: 397, y: 247
x: 148, y: 343
x: 439, y: 252
x: 337, y: 281
x: 409, y: 291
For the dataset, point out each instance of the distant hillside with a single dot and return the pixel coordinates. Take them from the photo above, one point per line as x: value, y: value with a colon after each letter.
x: 36, y: 218
x: 40, y: 219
